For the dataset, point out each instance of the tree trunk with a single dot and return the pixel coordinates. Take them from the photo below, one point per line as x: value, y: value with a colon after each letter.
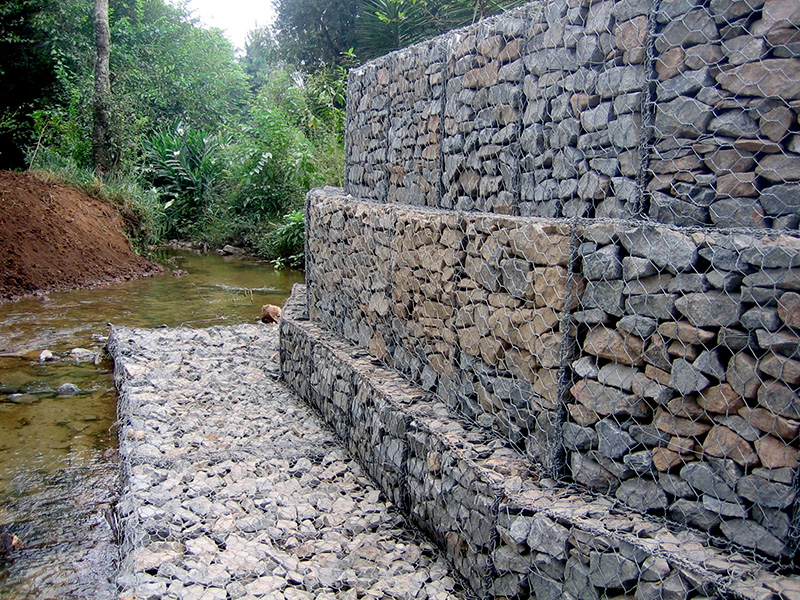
x: 101, y: 142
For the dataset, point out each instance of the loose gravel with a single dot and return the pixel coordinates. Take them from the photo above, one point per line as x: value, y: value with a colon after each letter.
x: 234, y: 488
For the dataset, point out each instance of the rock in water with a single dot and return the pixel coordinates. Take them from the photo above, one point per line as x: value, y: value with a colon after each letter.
x: 270, y: 313
x: 68, y: 389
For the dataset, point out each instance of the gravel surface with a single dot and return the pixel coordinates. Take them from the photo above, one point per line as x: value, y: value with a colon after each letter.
x: 234, y: 488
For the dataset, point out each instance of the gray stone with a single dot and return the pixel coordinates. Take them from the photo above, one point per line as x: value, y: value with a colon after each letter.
x: 737, y: 212
x: 611, y: 570
x: 659, y: 306
x: 68, y: 389
x: 703, y: 478
x: 687, y: 83
x: 768, y: 494
x: 666, y: 249
x: 603, y: 264
x: 683, y: 117
x: 638, y: 325
x: 693, y: 514
x: 673, y: 211
x: 639, y: 462
x: 709, y: 363
x: 634, y: 267
x: 695, y: 27
x: 761, y: 318
x: 686, y: 378
x: 643, y: 495
x: 605, y: 295
x: 613, y: 442
x: 725, y: 509
x: 579, y: 438
x: 709, y: 309
x: 752, y: 535
x: 781, y: 199
x: 591, y: 474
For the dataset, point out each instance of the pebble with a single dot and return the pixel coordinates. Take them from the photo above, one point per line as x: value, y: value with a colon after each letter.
x: 236, y: 489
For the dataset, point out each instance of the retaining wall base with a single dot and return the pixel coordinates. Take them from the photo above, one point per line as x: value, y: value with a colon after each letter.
x: 509, y: 532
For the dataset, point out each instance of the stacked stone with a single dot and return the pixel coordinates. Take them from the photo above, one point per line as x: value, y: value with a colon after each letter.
x: 366, y: 135
x: 350, y: 268
x: 468, y: 307
x: 415, y: 128
x: 726, y: 150
x: 510, y: 533
x: 687, y: 384
x: 410, y: 443
x: 483, y: 116
x: 582, y: 123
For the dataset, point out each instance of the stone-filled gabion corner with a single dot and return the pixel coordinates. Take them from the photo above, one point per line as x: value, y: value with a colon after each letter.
x: 575, y: 226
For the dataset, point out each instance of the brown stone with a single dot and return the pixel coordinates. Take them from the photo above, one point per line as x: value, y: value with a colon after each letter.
x: 724, y: 443
x: 780, y: 399
x: 780, y: 167
x: 685, y: 332
x: 541, y: 243
x: 512, y: 50
x: 704, y: 55
x: 721, y: 399
x: 656, y: 374
x: 776, y: 123
x: 606, y: 400
x: 768, y: 422
x: 782, y: 368
x: 549, y: 287
x: 671, y: 63
x: 789, y: 309
x: 682, y: 445
x: 631, y: 35
x: 775, y: 453
x: 270, y: 313
x: 777, y: 77
x: 583, y: 416
x: 683, y: 350
x: 742, y: 375
x: 668, y: 423
x: 686, y: 408
x: 737, y: 185
x: 730, y: 160
x: 609, y: 343
x: 546, y: 386
x: 520, y: 363
x: 665, y: 460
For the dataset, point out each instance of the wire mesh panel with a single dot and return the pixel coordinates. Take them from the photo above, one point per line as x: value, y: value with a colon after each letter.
x: 633, y: 327
x: 725, y: 148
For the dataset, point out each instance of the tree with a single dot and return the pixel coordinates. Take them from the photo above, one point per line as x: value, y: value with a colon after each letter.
x: 102, y: 148
x: 27, y: 75
x: 314, y: 33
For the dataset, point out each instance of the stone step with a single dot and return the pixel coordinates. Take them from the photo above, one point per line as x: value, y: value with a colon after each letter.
x: 508, y: 531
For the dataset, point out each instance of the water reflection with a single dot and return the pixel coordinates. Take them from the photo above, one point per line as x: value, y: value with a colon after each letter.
x: 58, y: 469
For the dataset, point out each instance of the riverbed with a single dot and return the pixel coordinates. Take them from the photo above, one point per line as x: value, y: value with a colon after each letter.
x: 58, y: 447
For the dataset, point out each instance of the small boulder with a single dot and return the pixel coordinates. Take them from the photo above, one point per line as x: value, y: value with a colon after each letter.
x: 68, y: 389
x: 270, y: 313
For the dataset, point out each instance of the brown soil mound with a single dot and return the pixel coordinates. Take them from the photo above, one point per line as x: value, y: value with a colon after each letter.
x: 55, y: 238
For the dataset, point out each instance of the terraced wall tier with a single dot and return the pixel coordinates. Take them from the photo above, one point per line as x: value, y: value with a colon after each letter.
x: 650, y: 363
x: 509, y: 532
x: 682, y: 112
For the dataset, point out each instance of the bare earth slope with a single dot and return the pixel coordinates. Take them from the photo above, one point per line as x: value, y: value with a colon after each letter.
x: 55, y: 238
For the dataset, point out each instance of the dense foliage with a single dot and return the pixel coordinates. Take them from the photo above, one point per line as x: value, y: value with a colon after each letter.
x: 207, y: 145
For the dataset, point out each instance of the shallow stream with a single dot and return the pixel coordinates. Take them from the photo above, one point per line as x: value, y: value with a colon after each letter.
x: 59, y: 475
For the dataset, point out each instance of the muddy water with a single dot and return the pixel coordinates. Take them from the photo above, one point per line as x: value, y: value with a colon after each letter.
x: 58, y: 462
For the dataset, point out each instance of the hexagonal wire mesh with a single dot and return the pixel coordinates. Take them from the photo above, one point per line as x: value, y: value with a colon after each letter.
x: 645, y: 345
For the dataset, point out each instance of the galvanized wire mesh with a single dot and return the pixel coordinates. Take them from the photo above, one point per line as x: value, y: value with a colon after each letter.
x: 645, y: 345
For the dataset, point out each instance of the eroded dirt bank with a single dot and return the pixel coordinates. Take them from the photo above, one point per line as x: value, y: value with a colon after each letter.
x: 55, y: 238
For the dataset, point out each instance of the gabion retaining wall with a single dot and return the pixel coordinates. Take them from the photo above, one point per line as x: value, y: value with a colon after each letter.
x: 509, y: 533
x: 650, y: 363
x: 682, y: 112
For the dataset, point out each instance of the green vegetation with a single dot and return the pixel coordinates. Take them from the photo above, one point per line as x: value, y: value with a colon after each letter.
x: 207, y: 145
